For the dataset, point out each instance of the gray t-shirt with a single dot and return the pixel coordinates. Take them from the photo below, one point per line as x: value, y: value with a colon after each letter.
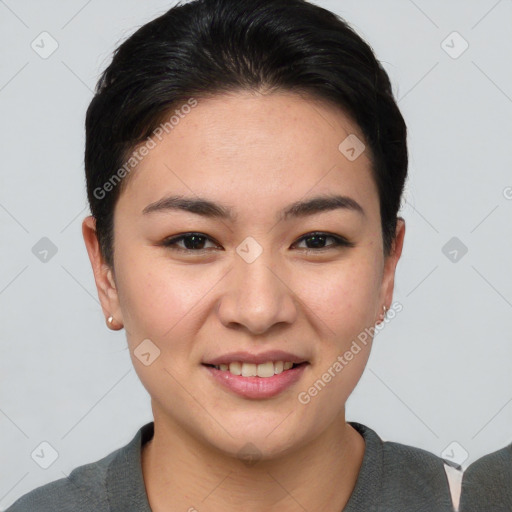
x: 393, y: 478
x: 487, y: 483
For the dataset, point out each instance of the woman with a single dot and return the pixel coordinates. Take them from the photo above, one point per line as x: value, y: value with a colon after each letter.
x: 245, y: 162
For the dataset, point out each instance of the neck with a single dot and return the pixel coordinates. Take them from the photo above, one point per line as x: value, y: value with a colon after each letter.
x: 318, y: 477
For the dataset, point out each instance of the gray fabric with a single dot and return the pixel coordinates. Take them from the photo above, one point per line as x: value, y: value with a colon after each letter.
x: 393, y: 478
x: 112, y: 484
x: 487, y: 483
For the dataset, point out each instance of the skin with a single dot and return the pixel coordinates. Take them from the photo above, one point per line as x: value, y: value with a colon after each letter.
x: 256, y: 154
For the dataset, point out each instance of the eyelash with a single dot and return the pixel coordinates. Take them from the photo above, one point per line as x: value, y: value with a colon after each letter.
x: 338, y: 242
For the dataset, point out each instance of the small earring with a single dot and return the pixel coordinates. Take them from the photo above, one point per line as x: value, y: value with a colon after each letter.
x: 111, y: 325
x: 383, y: 315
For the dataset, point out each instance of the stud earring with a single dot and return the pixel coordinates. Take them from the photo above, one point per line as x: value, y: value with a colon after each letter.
x: 383, y: 315
x: 112, y: 325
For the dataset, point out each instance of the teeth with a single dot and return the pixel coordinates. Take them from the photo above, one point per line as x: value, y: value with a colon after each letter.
x: 235, y: 368
x: 267, y: 369
x: 249, y: 370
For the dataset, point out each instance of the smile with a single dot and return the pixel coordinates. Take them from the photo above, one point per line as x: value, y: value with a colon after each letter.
x: 264, y: 370
x: 255, y: 381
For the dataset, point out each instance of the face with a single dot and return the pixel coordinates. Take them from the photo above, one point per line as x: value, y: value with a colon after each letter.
x: 236, y: 280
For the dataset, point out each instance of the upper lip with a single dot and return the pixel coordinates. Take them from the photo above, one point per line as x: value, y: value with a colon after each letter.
x: 248, y: 357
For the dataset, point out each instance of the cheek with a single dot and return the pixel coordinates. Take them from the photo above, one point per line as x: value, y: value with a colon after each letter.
x: 160, y: 300
x: 162, y: 303
x: 345, y: 296
x: 344, y: 300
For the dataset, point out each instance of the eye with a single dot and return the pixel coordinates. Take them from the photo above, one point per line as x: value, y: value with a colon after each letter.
x: 317, y: 240
x: 194, y: 242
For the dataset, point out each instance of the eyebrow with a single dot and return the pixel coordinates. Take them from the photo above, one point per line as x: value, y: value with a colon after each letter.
x: 210, y: 209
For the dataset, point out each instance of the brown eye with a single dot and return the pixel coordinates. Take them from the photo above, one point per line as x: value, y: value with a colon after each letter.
x: 193, y: 242
x: 317, y: 241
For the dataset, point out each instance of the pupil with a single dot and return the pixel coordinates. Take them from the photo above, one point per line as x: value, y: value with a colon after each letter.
x: 316, y: 237
x: 194, y: 244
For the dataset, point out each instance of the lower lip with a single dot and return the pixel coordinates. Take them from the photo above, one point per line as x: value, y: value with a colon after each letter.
x: 257, y: 387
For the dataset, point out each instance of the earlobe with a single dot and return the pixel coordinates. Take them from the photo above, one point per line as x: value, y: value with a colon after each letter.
x: 382, y: 315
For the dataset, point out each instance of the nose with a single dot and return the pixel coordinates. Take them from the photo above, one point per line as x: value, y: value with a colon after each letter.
x: 256, y: 297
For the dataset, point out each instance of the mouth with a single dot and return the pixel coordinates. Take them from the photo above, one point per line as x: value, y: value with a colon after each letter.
x: 262, y: 370
x: 256, y: 381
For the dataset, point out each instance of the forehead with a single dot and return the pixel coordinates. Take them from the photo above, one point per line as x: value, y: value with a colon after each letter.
x: 265, y: 149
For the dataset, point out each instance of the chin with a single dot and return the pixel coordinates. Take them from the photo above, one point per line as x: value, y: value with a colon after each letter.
x: 253, y: 449
x: 259, y: 437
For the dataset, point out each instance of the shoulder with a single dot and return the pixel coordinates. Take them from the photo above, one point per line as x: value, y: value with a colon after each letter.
x: 409, y: 478
x: 495, y: 465
x: 418, y: 473
x: 487, y: 482
x: 83, y: 490
x: 415, y: 465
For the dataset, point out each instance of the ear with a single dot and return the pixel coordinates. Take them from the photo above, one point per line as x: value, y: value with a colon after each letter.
x: 391, y: 261
x: 103, y: 275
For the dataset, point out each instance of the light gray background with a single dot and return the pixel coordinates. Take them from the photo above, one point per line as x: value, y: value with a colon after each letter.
x: 439, y: 372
